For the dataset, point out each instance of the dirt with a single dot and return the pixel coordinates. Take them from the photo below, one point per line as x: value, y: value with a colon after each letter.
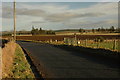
x: 7, y: 58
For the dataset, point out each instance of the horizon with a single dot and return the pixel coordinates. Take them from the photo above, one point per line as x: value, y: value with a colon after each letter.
x: 60, y: 15
x: 59, y: 29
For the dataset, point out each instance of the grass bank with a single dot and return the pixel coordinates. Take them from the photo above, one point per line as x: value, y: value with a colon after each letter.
x: 20, y: 68
x: 7, y: 58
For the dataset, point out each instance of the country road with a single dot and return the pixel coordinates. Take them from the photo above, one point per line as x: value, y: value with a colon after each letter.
x: 55, y: 62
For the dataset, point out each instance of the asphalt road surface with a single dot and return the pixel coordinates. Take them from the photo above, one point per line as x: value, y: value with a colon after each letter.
x: 59, y: 63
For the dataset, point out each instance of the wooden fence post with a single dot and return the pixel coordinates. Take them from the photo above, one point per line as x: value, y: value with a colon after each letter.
x: 98, y: 43
x: 50, y: 40
x: 86, y: 43
x: 114, y: 44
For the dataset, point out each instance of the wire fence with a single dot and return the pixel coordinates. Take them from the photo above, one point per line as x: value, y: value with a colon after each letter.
x: 106, y: 44
x: 112, y: 44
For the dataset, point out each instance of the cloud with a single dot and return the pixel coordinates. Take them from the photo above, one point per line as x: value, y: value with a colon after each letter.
x: 52, y: 11
x: 33, y: 12
x: 7, y: 12
x: 68, y: 16
x: 50, y: 8
x: 49, y: 14
x: 38, y: 22
x: 89, y: 24
x: 62, y: 14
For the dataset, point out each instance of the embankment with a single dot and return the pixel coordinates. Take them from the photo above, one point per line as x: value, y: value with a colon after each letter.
x: 14, y: 63
x: 7, y: 58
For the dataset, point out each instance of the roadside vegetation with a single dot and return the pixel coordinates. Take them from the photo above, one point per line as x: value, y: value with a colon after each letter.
x: 7, y: 58
x: 20, y: 68
x: 14, y: 63
x: 4, y: 42
x: 110, y: 45
x: 99, y: 43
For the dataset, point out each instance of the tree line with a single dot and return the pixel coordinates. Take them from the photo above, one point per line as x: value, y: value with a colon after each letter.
x: 109, y: 30
x: 36, y: 31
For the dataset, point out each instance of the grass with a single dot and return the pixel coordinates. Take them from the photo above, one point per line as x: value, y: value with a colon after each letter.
x: 21, y: 68
x: 106, y: 45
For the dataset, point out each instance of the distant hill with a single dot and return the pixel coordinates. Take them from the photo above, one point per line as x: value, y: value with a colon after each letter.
x: 9, y: 33
x: 67, y: 30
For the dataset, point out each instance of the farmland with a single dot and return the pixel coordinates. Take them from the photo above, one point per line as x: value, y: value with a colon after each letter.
x: 107, y: 44
x: 61, y: 37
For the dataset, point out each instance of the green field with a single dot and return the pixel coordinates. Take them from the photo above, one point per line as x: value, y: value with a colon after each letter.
x: 105, y: 45
x: 90, y: 43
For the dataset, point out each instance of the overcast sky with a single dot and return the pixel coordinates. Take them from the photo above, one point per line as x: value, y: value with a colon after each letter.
x: 60, y: 15
x: 61, y: 0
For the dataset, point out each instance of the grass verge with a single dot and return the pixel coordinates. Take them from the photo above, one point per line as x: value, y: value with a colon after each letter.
x: 21, y: 68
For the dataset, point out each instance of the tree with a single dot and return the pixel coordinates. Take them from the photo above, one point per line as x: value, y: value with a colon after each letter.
x: 34, y: 31
x: 50, y: 32
x: 112, y: 29
x: 81, y: 30
x: 102, y: 29
x: 98, y: 29
x: 93, y: 30
x: 118, y: 30
x: 40, y: 29
x: 33, y: 28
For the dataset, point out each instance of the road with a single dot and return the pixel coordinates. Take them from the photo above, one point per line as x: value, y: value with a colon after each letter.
x: 55, y: 62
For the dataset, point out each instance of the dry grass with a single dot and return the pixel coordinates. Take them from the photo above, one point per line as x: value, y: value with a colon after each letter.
x: 7, y: 58
x: 14, y: 63
x: 89, y: 33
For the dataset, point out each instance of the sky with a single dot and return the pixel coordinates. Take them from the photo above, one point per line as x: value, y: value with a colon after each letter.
x: 61, y: 0
x: 59, y: 15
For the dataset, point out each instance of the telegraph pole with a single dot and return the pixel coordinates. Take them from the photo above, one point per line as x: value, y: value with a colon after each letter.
x: 14, y: 14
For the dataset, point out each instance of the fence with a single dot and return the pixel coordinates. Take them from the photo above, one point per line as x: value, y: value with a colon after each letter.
x: 106, y: 44
x: 70, y: 41
x: 112, y: 41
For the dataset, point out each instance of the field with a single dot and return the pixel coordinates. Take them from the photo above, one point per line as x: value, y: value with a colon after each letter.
x: 61, y: 37
x: 88, y: 33
x: 107, y: 44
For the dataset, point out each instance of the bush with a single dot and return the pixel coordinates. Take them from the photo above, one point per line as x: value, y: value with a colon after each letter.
x: 4, y: 42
